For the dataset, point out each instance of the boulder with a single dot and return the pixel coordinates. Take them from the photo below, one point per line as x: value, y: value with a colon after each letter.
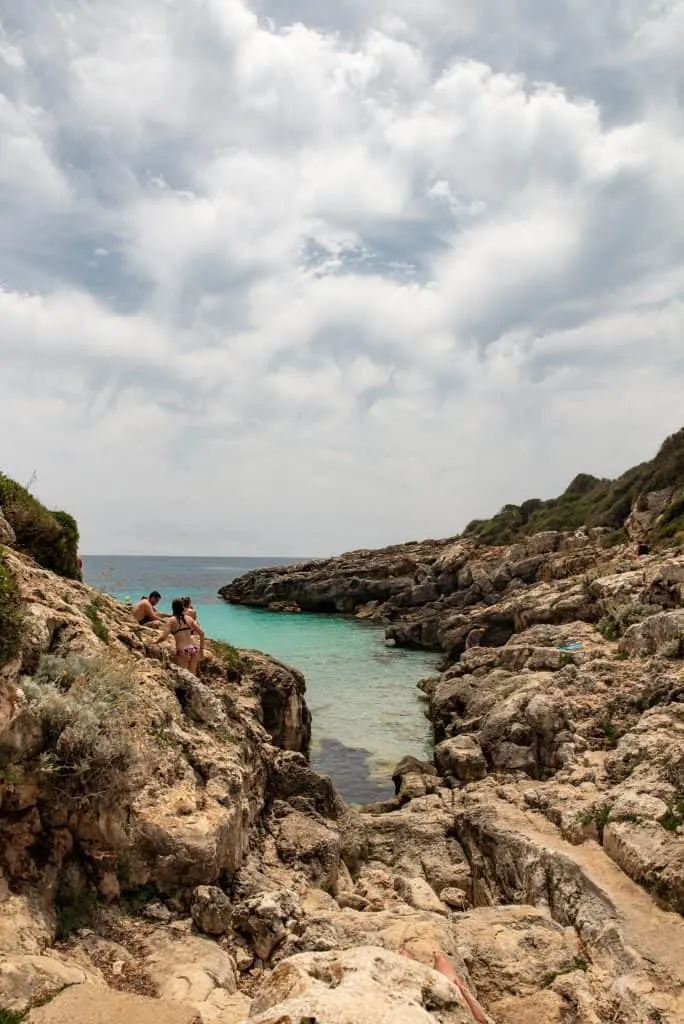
x: 359, y: 986
x: 26, y: 980
x: 211, y: 910
x: 659, y: 634
x: 461, y: 757
x: 418, y: 894
x: 266, y: 918
x: 303, y: 841
x: 192, y: 971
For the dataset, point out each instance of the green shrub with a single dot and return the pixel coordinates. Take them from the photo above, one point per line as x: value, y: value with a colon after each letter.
x: 85, y: 708
x: 49, y: 537
x: 228, y: 655
x: 674, y: 818
x: 670, y: 529
x: 610, y: 732
x: 75, y: 908
x: 99, y: 628
x: 10, y: 616
x: 134, y: 902
x: 10, y: 1017
x: 609, y: 628
x: 589, y: 501
x: 621, y: 616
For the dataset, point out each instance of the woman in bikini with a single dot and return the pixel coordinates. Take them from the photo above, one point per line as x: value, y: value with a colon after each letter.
x: 181, y: 628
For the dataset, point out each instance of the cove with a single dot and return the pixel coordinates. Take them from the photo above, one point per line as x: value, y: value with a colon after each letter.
x: 367, y: 712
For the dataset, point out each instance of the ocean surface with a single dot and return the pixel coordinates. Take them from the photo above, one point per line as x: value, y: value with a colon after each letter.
x: 367, y: 712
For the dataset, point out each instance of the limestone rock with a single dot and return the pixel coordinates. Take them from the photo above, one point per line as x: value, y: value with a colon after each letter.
x: 211, y: 910
x: 24, y: 980
x: 457, y: 899
x: 266, y: 918
x: 25, y: 924
x: 417, y: 841
x: 513, y: 950
x: 461, y: 757
x: 658, y: 634
x: 417, y: 893
x: 312, y: 846
x: 87, y: 1004
x: 360, y: 986
x: 192, y: 971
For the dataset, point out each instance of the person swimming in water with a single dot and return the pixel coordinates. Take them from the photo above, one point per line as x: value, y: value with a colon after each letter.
x: 145, y: 611
x: 181, y: 628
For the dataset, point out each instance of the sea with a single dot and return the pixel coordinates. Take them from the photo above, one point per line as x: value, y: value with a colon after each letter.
x: 367, y: 711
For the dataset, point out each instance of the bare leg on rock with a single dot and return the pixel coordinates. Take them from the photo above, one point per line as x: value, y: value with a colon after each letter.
x: 445, y: 967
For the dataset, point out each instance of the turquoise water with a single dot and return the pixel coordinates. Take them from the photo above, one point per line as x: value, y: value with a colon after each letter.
x: 367, y: 712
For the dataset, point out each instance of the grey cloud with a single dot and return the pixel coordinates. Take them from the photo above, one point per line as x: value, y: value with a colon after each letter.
x: 371, y: 290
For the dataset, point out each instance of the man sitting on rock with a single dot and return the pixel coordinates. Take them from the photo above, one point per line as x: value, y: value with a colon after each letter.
x: 145, y: 613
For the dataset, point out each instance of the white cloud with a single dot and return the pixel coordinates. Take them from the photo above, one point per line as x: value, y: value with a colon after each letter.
x: 347, y: 276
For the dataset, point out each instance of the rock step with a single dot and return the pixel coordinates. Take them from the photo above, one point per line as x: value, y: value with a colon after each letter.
x: 522, y: 855
x: 91, y: 1004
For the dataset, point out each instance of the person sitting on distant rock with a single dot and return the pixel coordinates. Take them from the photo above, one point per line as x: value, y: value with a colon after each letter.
x: 145, y: 611
x: 181, y: 628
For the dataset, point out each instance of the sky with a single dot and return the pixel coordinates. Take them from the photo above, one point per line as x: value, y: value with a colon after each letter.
x: 293, y: 276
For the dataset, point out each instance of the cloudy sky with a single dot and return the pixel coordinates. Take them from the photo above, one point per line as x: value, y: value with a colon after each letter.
x: 293, y: 276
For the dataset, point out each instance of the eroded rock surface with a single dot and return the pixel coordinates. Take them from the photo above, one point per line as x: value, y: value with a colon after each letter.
x: 542, y: 851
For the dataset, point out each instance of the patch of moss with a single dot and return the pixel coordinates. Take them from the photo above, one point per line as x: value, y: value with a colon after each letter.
x: 578, y: 964
x: 49, y: 537
x: 10, y: 616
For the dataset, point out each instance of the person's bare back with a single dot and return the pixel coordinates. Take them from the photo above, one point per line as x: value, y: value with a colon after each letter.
x: 144, y: 612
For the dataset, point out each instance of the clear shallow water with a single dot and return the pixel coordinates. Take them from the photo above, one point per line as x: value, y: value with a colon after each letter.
x: 367, y: 712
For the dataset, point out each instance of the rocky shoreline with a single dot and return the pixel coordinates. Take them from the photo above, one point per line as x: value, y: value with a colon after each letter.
x: 168, y: 853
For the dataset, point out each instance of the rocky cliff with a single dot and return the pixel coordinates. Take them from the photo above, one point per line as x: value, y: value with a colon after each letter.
x: 166, y: 852
x: 430, y: 594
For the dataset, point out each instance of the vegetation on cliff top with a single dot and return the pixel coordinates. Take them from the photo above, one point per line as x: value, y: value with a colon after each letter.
x: 589, y: 501
x: 49, y: 537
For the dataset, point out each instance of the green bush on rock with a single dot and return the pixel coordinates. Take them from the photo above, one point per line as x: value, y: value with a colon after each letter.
x: 10, y: 616
x: 49, y: 537
x: 85, y: 709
